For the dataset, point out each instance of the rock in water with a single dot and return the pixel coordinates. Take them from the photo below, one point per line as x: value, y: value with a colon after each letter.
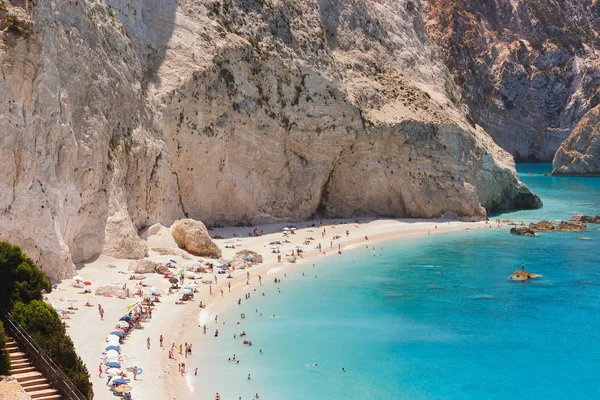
x: 580, y: 153
x: 143, y: 266
x: 542, y: 226
x: 522, y: 231
x: 193, y: 236
x: 568, y: 226
x: 595, y: 219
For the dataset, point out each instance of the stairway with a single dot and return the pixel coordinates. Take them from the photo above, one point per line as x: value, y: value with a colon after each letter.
x: 36, y: 386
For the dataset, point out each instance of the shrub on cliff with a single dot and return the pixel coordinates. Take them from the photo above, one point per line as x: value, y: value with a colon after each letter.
x: 20, y: 279
x: 4, y: 359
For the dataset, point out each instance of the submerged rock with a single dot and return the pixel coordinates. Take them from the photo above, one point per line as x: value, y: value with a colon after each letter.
x: 542, y: 226
x: 193, y: 236
x: 522, y: 231
x: 568, y: 226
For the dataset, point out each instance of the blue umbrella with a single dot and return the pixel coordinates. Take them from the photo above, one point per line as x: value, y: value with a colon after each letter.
x: 126, y: 318
x: 114, y: 364
x: 119, y: 380
x: 117, y: 348
x: 117, y: 333
x: 222, y: 266
x: 249, y: 257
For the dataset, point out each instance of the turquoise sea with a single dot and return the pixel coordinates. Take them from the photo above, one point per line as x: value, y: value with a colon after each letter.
x: 433, y: 317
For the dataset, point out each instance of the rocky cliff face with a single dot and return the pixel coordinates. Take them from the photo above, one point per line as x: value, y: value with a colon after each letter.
x: 580, y: 153
x: 529, y: 69
x: 119, y: 114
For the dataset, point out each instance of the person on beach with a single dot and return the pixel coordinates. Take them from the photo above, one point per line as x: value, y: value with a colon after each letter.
x: 210, y: 289
x: 135, y: 373
x: 180, y: 349
x: 229, y: 286
x: 161, y: 340
x: 522, y: 267
x: 196, y: 372
x: 148, y: 343
x: 221, y: 292
x: 217, y: 333
x: 102, y: 314
x: 100, y: 370
x: 204, y: 329
x: 217, y: 397
x: 249, y: 377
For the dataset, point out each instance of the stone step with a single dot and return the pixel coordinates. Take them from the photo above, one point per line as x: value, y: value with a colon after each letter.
x: 19, y: 363
x: 27, y: 376
x: 21, y: 369
x: 12, y: 349
x: 35, y: 388
x: 17, y: 356
x: 51, y: 397
x: 33, y: 382
x: 42, y: 393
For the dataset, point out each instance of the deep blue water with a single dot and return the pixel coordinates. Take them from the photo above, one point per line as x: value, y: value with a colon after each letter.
x: 432, y: 317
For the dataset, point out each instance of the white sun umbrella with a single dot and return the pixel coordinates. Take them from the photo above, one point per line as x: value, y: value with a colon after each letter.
x: 154, y: 290
x: 191, y: 285
x: 112, y: 354
x: 113, y: 372
x: 112, y: 339
x: 122, y: 324
x: 78, y: 278
x: 286, y: 229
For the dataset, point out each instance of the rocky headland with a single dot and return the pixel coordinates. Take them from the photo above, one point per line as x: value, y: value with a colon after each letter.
x: 528, y: 70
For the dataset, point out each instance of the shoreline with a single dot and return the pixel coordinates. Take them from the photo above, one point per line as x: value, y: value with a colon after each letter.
x: 177, y: 322
x: 213, y: 307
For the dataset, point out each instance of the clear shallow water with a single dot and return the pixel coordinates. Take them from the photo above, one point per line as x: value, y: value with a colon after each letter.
x: 430, y: 318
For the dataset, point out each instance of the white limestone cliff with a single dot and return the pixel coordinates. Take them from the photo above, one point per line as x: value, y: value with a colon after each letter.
x: 119, y: 114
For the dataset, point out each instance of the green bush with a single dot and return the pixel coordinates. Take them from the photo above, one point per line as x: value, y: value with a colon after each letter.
x: 20, y: 279
x: 4, y: 358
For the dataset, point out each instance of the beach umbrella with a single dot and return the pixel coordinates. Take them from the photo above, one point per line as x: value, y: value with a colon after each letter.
x: 185, y: 291
x: 122, y: 324
x: 222, y: 266
x: 78, y: 278
x: 173, y: 261
x: 150, y: 297
x: 112, y: 354
x: 112, y: 347
x: 173, y: 280
x: 123, y: 389
x: 154, y: 290
x: 113, y: 364
x: 119, y: 381
x: 286, y: 229
x: 249, y: 257
x: 113, y: 372
x: 117, y: 333
x: 112, y: 338
x: 126, y: 318
x: 182, y: 271
x: 87, y: 283
x: 191, y: 285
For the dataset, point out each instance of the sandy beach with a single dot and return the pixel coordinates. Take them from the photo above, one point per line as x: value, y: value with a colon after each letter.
x: 160, y: 378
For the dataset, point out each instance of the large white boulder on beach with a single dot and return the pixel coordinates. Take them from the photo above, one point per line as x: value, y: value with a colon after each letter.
x: 111, y: 290
x: 193, y: 236
x: 143, y: 266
